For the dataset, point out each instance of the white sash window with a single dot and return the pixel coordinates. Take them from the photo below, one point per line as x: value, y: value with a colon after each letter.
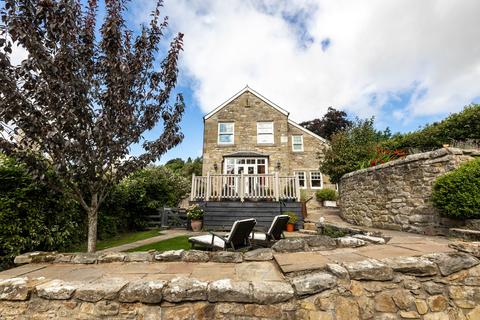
x: 226, y: 132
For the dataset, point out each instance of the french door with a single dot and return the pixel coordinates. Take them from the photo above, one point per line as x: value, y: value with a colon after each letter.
x: 249, y: 167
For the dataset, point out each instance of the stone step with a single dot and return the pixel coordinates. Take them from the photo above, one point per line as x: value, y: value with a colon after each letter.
x: 465, y: 234
x: 310, y: 226
x: 308, y: 231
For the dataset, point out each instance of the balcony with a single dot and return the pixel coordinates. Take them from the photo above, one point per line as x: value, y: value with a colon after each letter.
x: 242, y: 187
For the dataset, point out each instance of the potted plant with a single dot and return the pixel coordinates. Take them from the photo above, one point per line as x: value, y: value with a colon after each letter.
x: 195, y: 215
x: 291, y: 221
x: 328, y: 197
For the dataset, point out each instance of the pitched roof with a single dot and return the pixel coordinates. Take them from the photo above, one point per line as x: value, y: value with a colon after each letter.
x: 293, y: 123
x: 246, y: 89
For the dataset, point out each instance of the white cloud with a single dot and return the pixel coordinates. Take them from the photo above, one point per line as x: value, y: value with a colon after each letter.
x: 378, y: 50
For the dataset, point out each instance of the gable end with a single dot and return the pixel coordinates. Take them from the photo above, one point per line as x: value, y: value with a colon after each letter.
x: 246, y: 89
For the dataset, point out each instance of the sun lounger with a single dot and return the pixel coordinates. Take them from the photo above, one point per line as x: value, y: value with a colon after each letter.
x: 237, y: 238
x: 274, y: 232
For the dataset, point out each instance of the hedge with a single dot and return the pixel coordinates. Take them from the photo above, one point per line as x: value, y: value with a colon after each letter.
x: 457, y: 193
x: 463, y: 126
x: 32, y: 216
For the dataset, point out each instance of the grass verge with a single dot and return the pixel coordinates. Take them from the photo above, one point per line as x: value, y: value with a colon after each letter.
x: 177, y: 243
x: 119, y: 240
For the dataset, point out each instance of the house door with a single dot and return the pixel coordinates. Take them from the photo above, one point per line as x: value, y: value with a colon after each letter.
x: 247, y: 169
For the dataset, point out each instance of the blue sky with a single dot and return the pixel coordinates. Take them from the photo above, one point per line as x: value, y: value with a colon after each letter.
x: 406, y: 62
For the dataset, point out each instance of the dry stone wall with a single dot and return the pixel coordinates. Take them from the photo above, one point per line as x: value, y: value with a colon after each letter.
x: 396, y: 195
x: 434, y: 286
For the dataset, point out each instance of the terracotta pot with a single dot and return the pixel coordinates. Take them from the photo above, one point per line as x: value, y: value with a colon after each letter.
x: 196, y: 225
x: 290, y: 227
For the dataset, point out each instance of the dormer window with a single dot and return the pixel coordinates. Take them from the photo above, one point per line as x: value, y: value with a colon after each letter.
x: 265, y: 133
x: 226, y: 132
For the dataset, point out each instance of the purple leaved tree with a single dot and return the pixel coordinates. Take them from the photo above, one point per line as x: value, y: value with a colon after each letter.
x: 84, y: 95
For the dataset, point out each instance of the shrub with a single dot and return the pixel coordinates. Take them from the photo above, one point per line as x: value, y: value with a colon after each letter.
x: 457, y: 193
x: 195, y: 212
x: 32, y: 216
x: 332, y: 232
x: 326, y: 195
x: 138, y: 196
x: 292, y: 217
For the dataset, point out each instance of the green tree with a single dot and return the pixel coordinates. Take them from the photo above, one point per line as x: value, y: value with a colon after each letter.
x: 176, y: 165
x: 82, y: 98
x: 351, y: 149
x: 333, y: 121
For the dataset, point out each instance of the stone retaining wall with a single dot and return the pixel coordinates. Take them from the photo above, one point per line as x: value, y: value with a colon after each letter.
x: 396, y: 195
x: 300, y: 244
x: 434, y: 286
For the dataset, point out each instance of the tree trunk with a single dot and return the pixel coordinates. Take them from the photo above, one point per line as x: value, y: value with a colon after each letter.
x: 92, y: 225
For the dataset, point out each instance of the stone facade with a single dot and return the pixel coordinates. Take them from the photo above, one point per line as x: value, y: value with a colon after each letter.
x: 245, y: 111
x: 397, y: 195
x: 433, y: 286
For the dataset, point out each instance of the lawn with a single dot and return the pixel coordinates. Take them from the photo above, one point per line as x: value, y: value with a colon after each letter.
x: 123, y: 238
x: 177, y: 243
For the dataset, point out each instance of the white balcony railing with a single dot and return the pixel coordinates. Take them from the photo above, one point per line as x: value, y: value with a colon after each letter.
x: 215, y: 187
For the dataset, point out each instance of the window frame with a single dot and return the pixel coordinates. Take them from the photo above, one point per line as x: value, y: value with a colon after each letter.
x: 293, y: 143
x: 321, y: 179
x: 304, y: 178
x: 266, y: 134
x: 226, y: 133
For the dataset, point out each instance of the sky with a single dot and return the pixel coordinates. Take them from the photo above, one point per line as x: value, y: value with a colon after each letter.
x: 406, y: 62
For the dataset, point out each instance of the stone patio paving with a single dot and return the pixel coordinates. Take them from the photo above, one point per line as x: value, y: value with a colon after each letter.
x: 208, y: 271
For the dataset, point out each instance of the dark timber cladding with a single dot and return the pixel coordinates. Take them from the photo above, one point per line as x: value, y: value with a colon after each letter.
x: 221, y: 215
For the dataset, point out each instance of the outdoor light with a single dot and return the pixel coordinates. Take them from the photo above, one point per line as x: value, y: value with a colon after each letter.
x: 215, y: 166
x: 279, y: 165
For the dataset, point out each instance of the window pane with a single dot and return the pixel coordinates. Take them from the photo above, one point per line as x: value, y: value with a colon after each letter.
x: 226, y: 127
x: 297, y: 143
x: 264, y: 127
x: 301, y: 178
x: 226, y: 138
x: 316, y: 179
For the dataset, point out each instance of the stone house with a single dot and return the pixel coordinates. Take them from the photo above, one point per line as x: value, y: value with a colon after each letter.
x: 256, y: 162
x: 250, y: 134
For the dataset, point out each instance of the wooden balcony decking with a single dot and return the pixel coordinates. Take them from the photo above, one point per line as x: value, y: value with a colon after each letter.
x: 241, y: 187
